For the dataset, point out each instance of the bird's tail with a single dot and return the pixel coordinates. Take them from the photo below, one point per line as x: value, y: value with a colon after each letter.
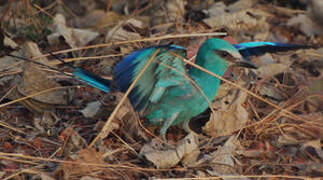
x: 258, y: 48
x: 80, y: 74
x: 92, y: 79
x: 87, y: 77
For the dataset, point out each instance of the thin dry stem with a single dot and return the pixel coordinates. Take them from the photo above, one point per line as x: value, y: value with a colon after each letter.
x: 35, y: 94
x: 135, y: 41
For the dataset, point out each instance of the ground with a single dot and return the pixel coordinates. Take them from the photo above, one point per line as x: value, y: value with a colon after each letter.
x: 55, y: 127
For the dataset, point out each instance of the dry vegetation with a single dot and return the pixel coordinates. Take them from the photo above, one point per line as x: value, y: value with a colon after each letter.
x: 54, y: 127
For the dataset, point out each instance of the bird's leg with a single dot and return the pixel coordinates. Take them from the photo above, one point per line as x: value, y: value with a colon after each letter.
x: 167, y: 124
x: 186, y: 126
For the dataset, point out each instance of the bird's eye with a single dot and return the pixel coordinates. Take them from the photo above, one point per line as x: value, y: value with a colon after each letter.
x: 224, y: 54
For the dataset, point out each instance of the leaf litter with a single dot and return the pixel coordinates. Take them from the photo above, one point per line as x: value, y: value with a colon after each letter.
x: 240, y: 137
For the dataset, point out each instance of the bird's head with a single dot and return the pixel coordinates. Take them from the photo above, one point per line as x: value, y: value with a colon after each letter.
x: 228, y: 52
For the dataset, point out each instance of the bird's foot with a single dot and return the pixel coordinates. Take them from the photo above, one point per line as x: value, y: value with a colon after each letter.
x: 167, y: 144
x: 186, y: 127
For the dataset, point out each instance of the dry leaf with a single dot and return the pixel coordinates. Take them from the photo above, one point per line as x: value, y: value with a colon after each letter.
x: 110, y: 20
x: 230, y: 115
x: 309, y: 27
x: 88, y: 155
x: 90, y: 20
x: 223, y: 159
x: 44, y: 176
x: 316, y: 86
x: 35, y: 80
x: 91, y: 109
x: 9, y: 65
x: 9, y: 42
x: 224, y: 97
x: 271, y: 70
x: 113, y: 125
x: 120, y: 33
x: 89, y: 178
x: 176, y: 10
x: 45, y: 122
x: 217, y: 9
x: 315, y: 118
x: 163, y: 157
x: 270, y: 90
x: 316, y: 144
x: 75, y: 141
x: 315, y: 10
x: 221, y: 162
x: 241, y: 21
x: 73, y: 37
x: 129, y: 117
x: 241, y: 5
x: 294, y: 135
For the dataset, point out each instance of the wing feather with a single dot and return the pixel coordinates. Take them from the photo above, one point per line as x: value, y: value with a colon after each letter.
x: 164, y: 72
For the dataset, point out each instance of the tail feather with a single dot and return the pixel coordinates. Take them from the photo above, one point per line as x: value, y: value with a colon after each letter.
x: 259, y: 48
x: 87, y: 77
x: 92, y: 79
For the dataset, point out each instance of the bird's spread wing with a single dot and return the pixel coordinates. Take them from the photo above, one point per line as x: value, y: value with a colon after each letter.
x: 258, y: 48
x: 165, y: 71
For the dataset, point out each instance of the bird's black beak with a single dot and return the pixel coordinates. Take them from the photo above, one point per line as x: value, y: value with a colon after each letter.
x: 245, y: 64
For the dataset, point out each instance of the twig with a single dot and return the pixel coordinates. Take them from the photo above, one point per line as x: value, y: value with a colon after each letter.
x: 135, y: 41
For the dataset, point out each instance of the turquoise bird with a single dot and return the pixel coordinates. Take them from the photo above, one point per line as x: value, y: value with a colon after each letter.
x: 168, y: 93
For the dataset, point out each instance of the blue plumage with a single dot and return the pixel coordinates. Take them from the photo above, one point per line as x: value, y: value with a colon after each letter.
x: 123, y: 71
x: 127, y: 70
x: 92, y: 80
x: 258, y: 48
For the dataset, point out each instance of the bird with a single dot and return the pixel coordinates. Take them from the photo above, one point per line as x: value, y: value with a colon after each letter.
x: 170, y: 96
x: 168, y: 93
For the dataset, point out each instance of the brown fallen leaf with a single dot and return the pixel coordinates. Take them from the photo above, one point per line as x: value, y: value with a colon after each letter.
x: 89, y: 155
x: 109, y: 20
x: 73, y: 141
x: 230, y: 115
x: 296, y: 135
x: 90, y: 20
x: 166, y: 157
x: 241, y: 21
x: 270, y: 70
x: 221, y: 162
x: 241, y: 5
x: 176, y: 10
x: 120, y: 32
x: 34, y: 80
x: 271, y: 91
x: 315, y: 10
x: 73, y: 37
x: 129, y: 117
x: 91, y: 109
x: 316, y: 144
x: 306, y: 25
